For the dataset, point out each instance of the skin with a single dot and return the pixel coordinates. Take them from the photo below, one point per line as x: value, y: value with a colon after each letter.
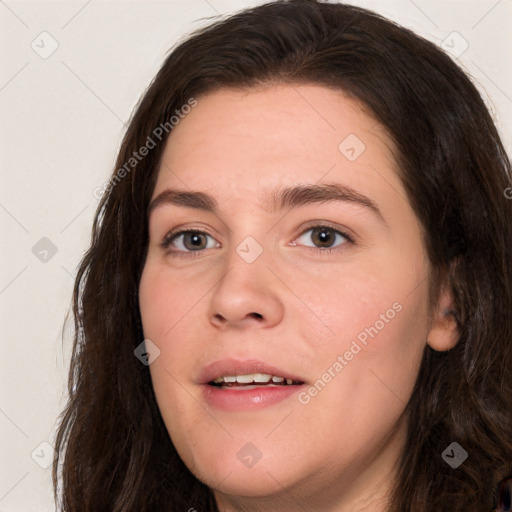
x: 338, y: 452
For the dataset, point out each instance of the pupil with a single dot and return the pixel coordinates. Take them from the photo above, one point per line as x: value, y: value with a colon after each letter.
x: 195, y: 239
x: 324, y: 236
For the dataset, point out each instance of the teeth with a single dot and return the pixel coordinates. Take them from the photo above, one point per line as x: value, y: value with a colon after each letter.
x: 262, y: 378
x: 244, y: 379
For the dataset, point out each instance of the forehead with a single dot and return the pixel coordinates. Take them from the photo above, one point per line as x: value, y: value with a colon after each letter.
x: 249, y: 141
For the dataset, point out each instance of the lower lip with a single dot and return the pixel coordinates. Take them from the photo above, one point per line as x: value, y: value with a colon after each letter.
x: 240, y: 399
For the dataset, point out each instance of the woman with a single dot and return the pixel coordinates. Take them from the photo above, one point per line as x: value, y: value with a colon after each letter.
x: 298, y: 291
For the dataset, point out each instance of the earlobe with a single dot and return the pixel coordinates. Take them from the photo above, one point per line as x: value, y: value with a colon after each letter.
x: 444, y: 329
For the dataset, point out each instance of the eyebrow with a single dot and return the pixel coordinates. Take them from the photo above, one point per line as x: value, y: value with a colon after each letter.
x: 279, y: 199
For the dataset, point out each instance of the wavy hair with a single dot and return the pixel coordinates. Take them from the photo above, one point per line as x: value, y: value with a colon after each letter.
x: 114, y: 453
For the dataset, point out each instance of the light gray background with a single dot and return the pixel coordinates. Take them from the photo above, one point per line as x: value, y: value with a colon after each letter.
x: 62, y: 121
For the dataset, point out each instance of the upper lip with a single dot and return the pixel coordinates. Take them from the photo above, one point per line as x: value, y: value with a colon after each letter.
x: 224, y: 367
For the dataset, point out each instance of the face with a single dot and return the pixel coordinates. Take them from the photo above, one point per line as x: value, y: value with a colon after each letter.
x: 290, y: 305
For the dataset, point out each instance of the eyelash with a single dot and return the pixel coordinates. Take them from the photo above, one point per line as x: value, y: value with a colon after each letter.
x: 170, y: 237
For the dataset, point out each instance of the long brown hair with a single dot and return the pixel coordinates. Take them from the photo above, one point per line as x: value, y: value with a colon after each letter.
x: 114, y: 452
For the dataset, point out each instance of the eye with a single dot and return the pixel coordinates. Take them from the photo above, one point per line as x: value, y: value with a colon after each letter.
x: 190, y: 240
x: 324, y: 238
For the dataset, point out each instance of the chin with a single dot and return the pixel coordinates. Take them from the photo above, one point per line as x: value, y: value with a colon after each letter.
x: 245, y: 482
x: 238, y: 469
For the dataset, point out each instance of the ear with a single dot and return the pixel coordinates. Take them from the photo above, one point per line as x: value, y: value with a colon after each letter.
x: 444, y: 330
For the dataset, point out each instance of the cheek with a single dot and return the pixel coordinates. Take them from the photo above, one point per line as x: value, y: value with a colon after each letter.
x: 153, y: 302
x: 165, y: 301
x: 166, y: 305
x: 367, y: 367
x: 160, y: 314
x: 370, y: 369
x: 379, y: 311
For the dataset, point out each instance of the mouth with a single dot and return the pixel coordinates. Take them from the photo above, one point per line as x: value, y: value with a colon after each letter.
x: 234, y: 385
x: 253, y: 380
x: 251, y: 372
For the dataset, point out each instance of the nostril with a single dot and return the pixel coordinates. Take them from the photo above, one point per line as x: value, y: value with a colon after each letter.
x: 257, y: 315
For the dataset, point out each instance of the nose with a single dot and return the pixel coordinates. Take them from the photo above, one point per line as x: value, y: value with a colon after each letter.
x: 246, y: 295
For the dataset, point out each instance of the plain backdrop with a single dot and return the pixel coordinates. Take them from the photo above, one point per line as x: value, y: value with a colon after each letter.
x: 71, y: 73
